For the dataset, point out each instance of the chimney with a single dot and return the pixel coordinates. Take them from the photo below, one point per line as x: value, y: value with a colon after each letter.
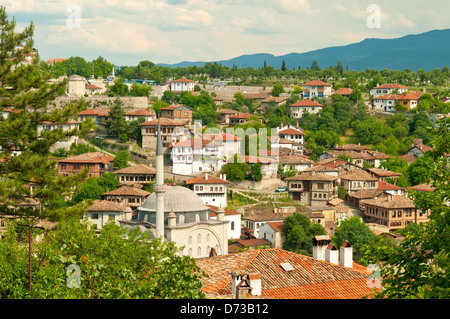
x: 319, y: 245
x: 206, y: 176
x: 245, y: 285
x: 346, y: 255
x: 332, y: 254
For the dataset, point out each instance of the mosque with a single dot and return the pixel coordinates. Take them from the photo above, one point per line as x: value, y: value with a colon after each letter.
x: 178, y: 214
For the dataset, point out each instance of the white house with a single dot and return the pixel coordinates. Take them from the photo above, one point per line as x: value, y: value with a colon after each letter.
x: 294, y: 135
x: 309, y: 106
x: 253, y: 223
x: 316, y: 88
x: 273, y: 232
x: 233, y: 218
x: 211, y: 190
x: 295, y: 162
x: 387, y: 89
x: 136, y: 114
x: 387, y: 102
x: 65, y: 127
x: 181, y: 85
x: 384, y: 103
x: 193, y: 156
x: 231, y: 144
x: 102, y: 211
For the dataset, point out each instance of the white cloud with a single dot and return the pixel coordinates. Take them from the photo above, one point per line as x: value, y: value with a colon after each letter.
x: 177, y: 30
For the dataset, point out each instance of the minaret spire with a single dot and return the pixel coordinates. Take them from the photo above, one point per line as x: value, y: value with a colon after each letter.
x: 160, y: 187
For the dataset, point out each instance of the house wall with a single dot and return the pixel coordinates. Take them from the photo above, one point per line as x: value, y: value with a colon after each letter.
x: 394, y: 218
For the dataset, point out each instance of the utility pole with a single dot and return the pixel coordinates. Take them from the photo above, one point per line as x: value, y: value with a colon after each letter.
x: 29, y: 249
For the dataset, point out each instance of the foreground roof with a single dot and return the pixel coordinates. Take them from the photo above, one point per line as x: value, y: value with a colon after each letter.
x: 310, y: 279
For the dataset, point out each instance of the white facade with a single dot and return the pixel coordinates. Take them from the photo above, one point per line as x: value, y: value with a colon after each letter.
x: 211, y: 190
x: 387, y: 89
x: 384, y: 104
x: 234, y: 222
x: 316, y: 88
x: 102, y: 211
x: 65, y: 144
x: 182, y: 85
x: 190, y: 159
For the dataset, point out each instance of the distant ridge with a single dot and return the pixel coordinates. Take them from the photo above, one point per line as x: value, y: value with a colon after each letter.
x: 426, y: 51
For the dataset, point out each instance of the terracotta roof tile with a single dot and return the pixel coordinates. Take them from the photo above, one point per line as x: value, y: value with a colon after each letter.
x: 309, y: 176
x: 136, y: 169
x: 202, y: 180
x: 311, y: 278
x: 306, y: 103
x: 92, y: 157
x: 105, y: 206
x: 316, y: 83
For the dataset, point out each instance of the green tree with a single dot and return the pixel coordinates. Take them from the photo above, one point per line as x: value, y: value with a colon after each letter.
x: 117, y: 264
x: 419, y: 266
x: 419, y: 171
x: 140, y: 89
x: 121, y: 159
x: 356, y: 232
x: 116, y: 123
x: 119, y: 88
x: 27, y: 90
x: 94, y: 187
x: 315, y: 66
x: 299, y: 233
x: 277, y: 89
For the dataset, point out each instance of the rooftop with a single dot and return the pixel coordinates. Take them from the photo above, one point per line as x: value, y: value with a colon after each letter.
x: 312, y: 176
x: 137, y: 169
x: 93, y: 157
x: 316, y: 83
x: 206, y: 178
x: 306, y: 103
x: 309, y: 279
x: 396, y: 202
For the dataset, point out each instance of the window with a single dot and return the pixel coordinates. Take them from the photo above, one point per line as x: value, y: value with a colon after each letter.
x: 393, y: 213
x: 320, y: 185
x: 111, y: 217
x: 94, y: 216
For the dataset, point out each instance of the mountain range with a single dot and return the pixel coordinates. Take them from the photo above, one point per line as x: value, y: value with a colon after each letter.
x: 426, y: 51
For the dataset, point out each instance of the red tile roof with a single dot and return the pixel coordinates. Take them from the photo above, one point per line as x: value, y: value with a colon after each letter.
x: 391, y: 86
x: 291, y: 131
x: 164, y: 121
x: 143, y: 112
x: 221, y: 137
x: 408, y: 157
x: 202, y: 180
x: 181, y: 81
x: 92, y: 157
x: 277, y: 226
x: 387, y: 186
x: 310, y: 279
x: 344, y: 91
x: 316, y: 83
x: 102, y: 112
x: 214, y: 209
x: 306, y: 103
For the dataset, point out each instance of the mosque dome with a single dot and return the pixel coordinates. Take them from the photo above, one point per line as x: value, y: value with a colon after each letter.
x: 177, y: 199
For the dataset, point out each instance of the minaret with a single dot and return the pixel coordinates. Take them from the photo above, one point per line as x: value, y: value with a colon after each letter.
x: 159, y: 188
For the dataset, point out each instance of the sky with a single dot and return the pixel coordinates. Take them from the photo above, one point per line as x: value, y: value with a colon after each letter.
x: 169, y: 31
